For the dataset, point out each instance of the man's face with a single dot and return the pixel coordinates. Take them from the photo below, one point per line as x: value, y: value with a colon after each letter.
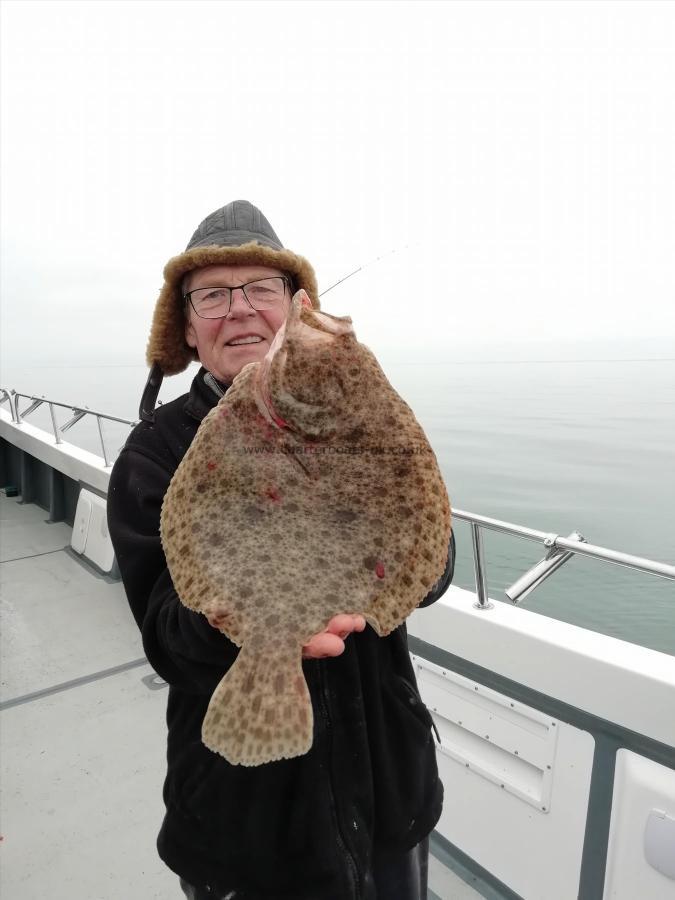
x: 212, y: 338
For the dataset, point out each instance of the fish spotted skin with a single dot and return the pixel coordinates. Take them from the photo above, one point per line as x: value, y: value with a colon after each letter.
x: 309, y: 490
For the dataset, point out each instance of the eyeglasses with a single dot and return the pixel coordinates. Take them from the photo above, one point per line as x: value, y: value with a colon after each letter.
x: 216, y: 302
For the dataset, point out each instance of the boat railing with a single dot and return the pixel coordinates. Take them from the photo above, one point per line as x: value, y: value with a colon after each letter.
x: 18, y: 415
x: 558, y: 549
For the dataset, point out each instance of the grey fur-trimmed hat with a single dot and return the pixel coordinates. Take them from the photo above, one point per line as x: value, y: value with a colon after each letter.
x: 236, y: 234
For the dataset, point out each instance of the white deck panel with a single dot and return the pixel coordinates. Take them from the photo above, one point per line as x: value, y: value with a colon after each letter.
x: 445, y: 885
x: 624, y: 683
x: 19, y: 536
x: 60, y: 620
x: 82, y: 773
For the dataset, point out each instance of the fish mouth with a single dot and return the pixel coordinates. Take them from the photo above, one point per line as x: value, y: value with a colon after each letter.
x: 262, y: 394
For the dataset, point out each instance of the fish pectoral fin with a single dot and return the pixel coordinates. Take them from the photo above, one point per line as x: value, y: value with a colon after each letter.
x: 374, y: 623
x: 261, y: 711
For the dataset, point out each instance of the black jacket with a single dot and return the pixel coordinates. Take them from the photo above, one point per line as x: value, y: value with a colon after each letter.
x: 298, y: 829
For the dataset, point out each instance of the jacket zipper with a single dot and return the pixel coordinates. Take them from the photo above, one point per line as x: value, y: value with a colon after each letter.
x: 213, y: 384
x: 352, y: 868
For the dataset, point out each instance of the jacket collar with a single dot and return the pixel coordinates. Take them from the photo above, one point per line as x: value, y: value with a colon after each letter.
x: 205, y: 392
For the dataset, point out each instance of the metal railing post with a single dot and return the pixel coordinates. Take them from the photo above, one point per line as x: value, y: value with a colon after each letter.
x: 57, y: 436
x: 479, y: 568
x: 9, y: 397
x: 100, y: 431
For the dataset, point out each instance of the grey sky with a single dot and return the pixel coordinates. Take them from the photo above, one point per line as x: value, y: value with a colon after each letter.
x: 525, y: 151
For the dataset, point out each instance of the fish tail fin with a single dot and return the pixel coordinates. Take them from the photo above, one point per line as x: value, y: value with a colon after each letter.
x: 261, y: 711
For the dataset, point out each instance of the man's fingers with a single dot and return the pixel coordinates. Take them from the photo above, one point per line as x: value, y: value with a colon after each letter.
x: 344, y: 623
x: 321, y: 645
x: 331, y: 641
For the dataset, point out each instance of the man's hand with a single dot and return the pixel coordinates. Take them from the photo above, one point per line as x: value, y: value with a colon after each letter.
x: 331, y: 642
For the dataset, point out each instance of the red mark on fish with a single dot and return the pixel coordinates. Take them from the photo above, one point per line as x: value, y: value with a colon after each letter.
x: 211, y: 466
x: 267, y: 430
x: 379, y: 570
x: 278, y: 420
x: 273, y: 494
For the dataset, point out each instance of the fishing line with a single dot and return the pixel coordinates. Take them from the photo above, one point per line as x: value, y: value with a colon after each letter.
x: 370, y: 262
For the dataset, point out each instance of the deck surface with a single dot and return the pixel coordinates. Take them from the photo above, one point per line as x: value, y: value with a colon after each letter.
x: 82, y: 730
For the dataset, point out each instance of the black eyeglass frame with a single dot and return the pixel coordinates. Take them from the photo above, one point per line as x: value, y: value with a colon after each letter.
x: 187, y: 298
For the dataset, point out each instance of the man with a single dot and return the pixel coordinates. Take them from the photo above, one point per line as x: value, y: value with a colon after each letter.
x: 351, y: 818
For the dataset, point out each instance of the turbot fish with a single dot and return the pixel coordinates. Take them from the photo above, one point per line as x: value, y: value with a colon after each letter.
x: 309, y: 490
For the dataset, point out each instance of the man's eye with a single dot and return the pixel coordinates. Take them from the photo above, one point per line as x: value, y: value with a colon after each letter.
x: 214, y: 295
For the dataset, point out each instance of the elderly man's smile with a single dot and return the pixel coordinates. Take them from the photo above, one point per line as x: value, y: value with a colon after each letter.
x: 244, y: 339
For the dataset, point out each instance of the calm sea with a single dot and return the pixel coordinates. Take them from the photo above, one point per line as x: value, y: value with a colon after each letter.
x: 585, y: 445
